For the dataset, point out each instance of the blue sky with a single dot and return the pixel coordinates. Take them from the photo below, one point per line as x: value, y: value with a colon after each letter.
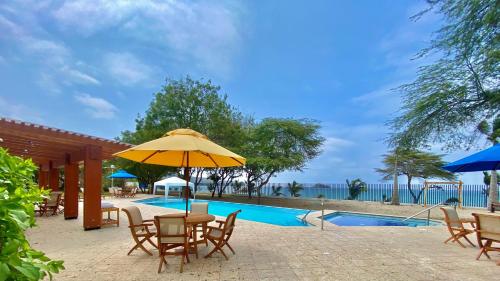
x: 93, y: 66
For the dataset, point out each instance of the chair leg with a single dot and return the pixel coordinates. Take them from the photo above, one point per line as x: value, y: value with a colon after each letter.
x: 455, y: 239
x: 469, y: 241
x: 448, y: 240
x: 230, y: 248
x: 152, y: 243
x: 139, y: 245
x: 481, y: 251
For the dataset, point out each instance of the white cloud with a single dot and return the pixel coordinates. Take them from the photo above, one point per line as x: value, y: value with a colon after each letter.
x: 19, y: 111
x: 80, y: 77
x: 208, y: 33
x: 98, y: 108
x: 127, y: 69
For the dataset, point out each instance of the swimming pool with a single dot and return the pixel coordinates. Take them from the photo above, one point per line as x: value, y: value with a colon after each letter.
x: 355, y: 219
x: 265, y: 214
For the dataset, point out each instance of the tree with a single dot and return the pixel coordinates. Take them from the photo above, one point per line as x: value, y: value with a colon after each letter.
x: 275, y: 145
x: 461, y: 88
x: 276, y: 190
x: 295, y: 188
x: 184, y: 103
x: 356, y: 186
x: 414, y: 164
x: 18, y: 195
x: 492, y: 133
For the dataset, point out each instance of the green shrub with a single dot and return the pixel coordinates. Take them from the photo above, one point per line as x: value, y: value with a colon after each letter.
x: 18, y: 194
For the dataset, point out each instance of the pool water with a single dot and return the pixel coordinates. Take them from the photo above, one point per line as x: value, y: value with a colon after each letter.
x: 265, y: 214
x: 354, y: 219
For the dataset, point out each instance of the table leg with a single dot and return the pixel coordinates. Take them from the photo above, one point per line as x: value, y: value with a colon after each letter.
x: 204, y: 229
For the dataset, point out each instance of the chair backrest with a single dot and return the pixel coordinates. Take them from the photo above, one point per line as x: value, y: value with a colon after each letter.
x: 112, y: 190
x: 230, y: 222
x: 488, y: 226
x: 134, y: 217
x: 54, y: 198
x: 451, y: 217
x: 171, y: 229
x: 199, y: 208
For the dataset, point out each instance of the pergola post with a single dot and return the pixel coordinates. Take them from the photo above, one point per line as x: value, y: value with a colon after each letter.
x: 92, y: 187
x: 70, y: 190
x: 54, y: 179
x: 43, y: 177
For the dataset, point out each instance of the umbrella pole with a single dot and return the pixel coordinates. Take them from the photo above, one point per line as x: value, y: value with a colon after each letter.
x: 186, y: 175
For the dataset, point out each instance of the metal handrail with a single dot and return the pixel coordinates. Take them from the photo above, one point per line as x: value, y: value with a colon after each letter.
x: 305, y: 216
x: 428, y: 210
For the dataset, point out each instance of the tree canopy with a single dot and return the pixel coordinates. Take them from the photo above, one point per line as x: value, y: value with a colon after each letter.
x: 275, y: 145
x: 414, y: 164
x: 451, y: 96
x: 271, y: 146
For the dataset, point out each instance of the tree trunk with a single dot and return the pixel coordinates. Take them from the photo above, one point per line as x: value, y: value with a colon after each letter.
x: 395, y: 191
x: 493, y: 196
x: 415, y: 198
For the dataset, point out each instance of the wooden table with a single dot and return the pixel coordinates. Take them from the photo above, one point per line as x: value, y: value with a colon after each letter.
x: 194, y: 220
x: 109, y: 220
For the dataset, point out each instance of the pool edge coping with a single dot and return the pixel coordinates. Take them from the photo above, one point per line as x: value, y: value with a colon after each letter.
x: 314, y: 218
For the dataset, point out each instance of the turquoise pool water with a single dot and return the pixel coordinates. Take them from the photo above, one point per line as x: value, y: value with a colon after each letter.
x: 258, y: 213
x: 354, y: 219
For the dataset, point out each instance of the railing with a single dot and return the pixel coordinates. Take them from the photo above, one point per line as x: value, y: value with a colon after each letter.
x: 428, y: 210
x: 305, y: 216
x: 472, y: 195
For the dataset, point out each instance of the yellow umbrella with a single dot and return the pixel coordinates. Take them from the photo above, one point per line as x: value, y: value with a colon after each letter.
x: 183, y: 148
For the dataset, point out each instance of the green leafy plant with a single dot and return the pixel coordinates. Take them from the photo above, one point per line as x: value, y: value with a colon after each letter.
x: 355, y: 186
x: 295, y: 188
x: 276, y: 190
x: 18, y: 194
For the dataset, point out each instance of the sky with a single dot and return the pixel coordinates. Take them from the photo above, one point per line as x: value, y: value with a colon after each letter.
x: 94, y: 66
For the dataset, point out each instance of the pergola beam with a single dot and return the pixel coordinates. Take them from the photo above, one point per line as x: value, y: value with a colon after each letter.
x: 52, y: 148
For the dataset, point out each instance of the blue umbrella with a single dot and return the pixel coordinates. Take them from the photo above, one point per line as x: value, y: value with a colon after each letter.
x: 485, y: 160
x: 121, y: 174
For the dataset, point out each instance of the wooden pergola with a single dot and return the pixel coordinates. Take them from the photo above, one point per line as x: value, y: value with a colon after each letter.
x: 52, y: 149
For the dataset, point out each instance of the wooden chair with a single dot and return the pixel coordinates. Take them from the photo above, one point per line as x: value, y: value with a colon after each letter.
x: 455, y: 226
x: 200, y: 208
x: 488, y: 232
x: 219, y: 236
x: 139, y: 229
x: 173, y: 234
x: 50, y: 206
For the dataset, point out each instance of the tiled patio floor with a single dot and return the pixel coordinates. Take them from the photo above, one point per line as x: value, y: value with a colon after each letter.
x: 267, y: 252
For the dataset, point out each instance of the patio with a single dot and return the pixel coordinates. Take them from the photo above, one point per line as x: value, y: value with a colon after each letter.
x: 266, y: 252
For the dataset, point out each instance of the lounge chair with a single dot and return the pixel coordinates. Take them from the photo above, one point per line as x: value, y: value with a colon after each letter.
x: 488, y: 232
x: 50, y: 205
x: 219, y: 236
x: 139, y: 229
x: 173, y: 234
x: 455, y: 226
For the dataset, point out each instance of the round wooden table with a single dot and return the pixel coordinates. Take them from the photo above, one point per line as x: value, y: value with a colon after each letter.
x: 194, y: 220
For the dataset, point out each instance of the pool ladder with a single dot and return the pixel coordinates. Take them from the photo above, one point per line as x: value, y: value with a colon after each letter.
x: 428, y: 210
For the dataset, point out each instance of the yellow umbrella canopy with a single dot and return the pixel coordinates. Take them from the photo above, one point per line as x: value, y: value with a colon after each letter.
x: 183, y: 148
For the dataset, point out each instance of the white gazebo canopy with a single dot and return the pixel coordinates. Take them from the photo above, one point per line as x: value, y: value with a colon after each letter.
x: 168, y: 182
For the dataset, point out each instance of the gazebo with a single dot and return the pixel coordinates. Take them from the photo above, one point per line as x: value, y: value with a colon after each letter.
x: 168, y: 182
x: 52, y: 149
